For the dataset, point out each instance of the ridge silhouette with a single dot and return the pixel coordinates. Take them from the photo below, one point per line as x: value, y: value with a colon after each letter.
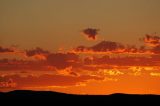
x: 58, y: 98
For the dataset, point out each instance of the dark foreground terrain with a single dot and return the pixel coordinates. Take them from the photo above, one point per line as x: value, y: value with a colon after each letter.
x: 59, y: 98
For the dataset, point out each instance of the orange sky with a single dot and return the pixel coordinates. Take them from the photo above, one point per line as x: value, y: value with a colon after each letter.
x: 104, y: 68
x: 80, y: 47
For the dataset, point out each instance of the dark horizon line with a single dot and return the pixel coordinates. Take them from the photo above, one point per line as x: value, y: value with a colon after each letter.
x: 41, y: 91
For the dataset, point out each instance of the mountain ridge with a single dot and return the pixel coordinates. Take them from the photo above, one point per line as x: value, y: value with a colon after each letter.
x: 56, y: 97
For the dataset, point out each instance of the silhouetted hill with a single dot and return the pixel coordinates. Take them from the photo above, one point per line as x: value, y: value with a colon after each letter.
x: 55, y: 97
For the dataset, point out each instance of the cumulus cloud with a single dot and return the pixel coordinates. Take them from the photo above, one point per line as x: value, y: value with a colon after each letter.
x: 91, y: 33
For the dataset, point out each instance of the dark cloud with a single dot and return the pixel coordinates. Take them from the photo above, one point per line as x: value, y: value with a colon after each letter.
x: 152, y: 40
x: 62, y: 60
x: 91, y: 33
x: 36, y: 51
x: 103, y: 46
x: 4, y: 50
x: 113, y: 47
x: 107, y: 46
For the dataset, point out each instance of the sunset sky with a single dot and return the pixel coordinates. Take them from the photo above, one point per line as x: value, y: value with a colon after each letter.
x: 80, y: 46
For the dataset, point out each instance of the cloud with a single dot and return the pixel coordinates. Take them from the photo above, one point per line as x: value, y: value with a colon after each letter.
x: 57, y: 61
x: 48, y: 80
x: 155, y: 74
x: 62, y: 60
x: 156, y: 49
x: 152, y: 40
x: 4, y: 50
x: 105, y: 47
x: 38, y: 53
x: 6, y: 82
x: 91, y: 33
x: 71, y: 68
x: 110, y: 72
x: 67, y: 72
x: 52, y: 61
x: 15, y: 64
x: 66, y: 63
x: 102, y: 62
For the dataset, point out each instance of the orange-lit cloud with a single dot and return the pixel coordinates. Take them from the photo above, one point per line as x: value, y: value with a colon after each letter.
x: 43, y: 80
x: 155, y: 74
x: 6, y: 82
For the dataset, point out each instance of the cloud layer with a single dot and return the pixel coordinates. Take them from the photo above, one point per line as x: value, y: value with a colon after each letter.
x: 106, y: 61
